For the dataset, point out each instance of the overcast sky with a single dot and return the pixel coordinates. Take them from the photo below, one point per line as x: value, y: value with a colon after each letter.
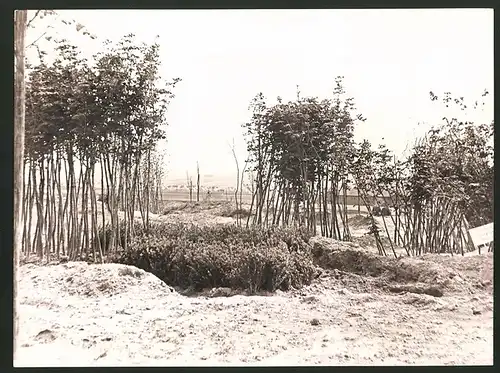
x: 390, y: 59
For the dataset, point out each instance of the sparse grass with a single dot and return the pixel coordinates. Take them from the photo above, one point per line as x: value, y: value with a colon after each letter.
x: 232, y: 213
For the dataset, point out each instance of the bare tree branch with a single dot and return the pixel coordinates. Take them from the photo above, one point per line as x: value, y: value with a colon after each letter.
x: 34, y: 42
x: 32, y: 19
x: 46, y: 30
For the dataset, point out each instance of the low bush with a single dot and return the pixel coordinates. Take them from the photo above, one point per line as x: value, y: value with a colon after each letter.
x: 232, y: 213
x: 223, y: 256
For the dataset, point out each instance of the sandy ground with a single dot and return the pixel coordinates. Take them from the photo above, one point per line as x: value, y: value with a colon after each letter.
x: 76, y: 314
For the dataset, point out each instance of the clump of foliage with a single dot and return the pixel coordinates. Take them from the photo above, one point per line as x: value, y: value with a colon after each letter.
x: 300, y: 154
x: 455, y: 161
x: 443, y: 188
x: 222, y: 256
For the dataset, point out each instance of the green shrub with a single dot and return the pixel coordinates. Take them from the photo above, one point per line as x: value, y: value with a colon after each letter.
x: 223, y: 256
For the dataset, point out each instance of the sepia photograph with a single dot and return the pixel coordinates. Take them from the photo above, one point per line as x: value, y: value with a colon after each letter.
x: 253, y: 187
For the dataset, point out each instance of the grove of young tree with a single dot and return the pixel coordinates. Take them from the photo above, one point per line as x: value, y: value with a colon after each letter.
x: 304, y: 157
x: 92, y: 124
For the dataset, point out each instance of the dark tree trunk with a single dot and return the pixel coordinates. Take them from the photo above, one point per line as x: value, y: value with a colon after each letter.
x: 20, y: 19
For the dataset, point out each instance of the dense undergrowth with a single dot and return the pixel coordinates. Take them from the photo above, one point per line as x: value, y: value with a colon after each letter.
x: 219, y: 256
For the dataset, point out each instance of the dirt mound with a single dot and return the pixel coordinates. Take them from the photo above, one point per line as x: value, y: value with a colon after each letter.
x: 91, y: 280
x: 345, y: 256
x: 467, y: 273
x: 416, y: 270
x: 430, y: 274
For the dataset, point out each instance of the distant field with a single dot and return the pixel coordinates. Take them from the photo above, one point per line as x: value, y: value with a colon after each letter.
x: 183, y: 196
x: 169, y: 195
